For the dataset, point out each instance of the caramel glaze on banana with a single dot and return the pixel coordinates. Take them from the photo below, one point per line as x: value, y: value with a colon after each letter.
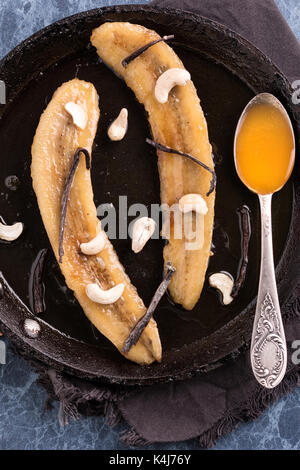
x: 54, y: 145
x: 179, y: 124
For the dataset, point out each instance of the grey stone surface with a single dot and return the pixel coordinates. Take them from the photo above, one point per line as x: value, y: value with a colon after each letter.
x: 24, y: 423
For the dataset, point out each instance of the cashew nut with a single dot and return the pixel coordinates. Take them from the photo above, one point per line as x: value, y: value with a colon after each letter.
x: 168, y: 80
x: 78, y: 114
x: 32, y: 327
x: 11, y: 232
x: 95, y: 245
x: 96, y: 294
x: 118, y: 127
x: 193, y: 202
x: 224, y: 283
x: 142, y: 231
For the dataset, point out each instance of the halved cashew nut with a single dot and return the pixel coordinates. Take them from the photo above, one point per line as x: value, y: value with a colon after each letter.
x: 78, y: 114
x: 193, y: 202
x: 118, y: 127
x: 95, y: 245
x: 10, y: 232
x: 224, y: 283
x: 105, y: 297
x: 168, y: 80
x: 142, y: 231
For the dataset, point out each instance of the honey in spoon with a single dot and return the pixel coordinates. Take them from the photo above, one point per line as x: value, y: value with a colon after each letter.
x: 264, y: 145
x: 264, y: 153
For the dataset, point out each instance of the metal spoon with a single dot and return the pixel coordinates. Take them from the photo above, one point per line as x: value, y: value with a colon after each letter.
x: 268, y: 350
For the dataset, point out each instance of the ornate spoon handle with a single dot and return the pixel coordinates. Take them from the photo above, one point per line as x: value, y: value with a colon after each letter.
x: 268, y: 346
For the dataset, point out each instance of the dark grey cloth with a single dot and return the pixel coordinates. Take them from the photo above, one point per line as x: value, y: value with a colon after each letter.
x: 207, y: 406
x: 211, y: 404
x: 259, y: 21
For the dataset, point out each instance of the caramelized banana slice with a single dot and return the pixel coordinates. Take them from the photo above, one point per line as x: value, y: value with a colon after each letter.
x: 57, y: 138
x: 179, y: 124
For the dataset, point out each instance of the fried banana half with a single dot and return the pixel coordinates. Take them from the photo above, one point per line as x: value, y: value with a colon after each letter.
x: 179, y: 124
x: 56, y: 140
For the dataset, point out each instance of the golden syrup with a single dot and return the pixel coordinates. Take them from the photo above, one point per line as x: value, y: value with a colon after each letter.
x: 264, y: 149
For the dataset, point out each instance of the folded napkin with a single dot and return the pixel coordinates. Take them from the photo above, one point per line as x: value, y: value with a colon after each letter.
x: 210, y: 405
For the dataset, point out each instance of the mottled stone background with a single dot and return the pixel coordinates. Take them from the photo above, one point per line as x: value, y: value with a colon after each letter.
x: 24, y: 423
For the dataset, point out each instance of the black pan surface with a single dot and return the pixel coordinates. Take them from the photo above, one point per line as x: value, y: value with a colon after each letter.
x: 227, y: 72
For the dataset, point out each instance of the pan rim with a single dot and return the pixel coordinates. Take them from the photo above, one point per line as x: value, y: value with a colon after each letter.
x: 98, y: 12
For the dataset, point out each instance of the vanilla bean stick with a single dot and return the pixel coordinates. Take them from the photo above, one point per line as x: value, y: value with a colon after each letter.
x: 143, y: 322
x: 66, y: 193
x: 142, y: 49
x: 37, y: 282
x: 163, y: 148
x: 245, y: 226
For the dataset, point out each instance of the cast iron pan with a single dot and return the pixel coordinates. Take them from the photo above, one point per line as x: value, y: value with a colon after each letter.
x: 227, y: 72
